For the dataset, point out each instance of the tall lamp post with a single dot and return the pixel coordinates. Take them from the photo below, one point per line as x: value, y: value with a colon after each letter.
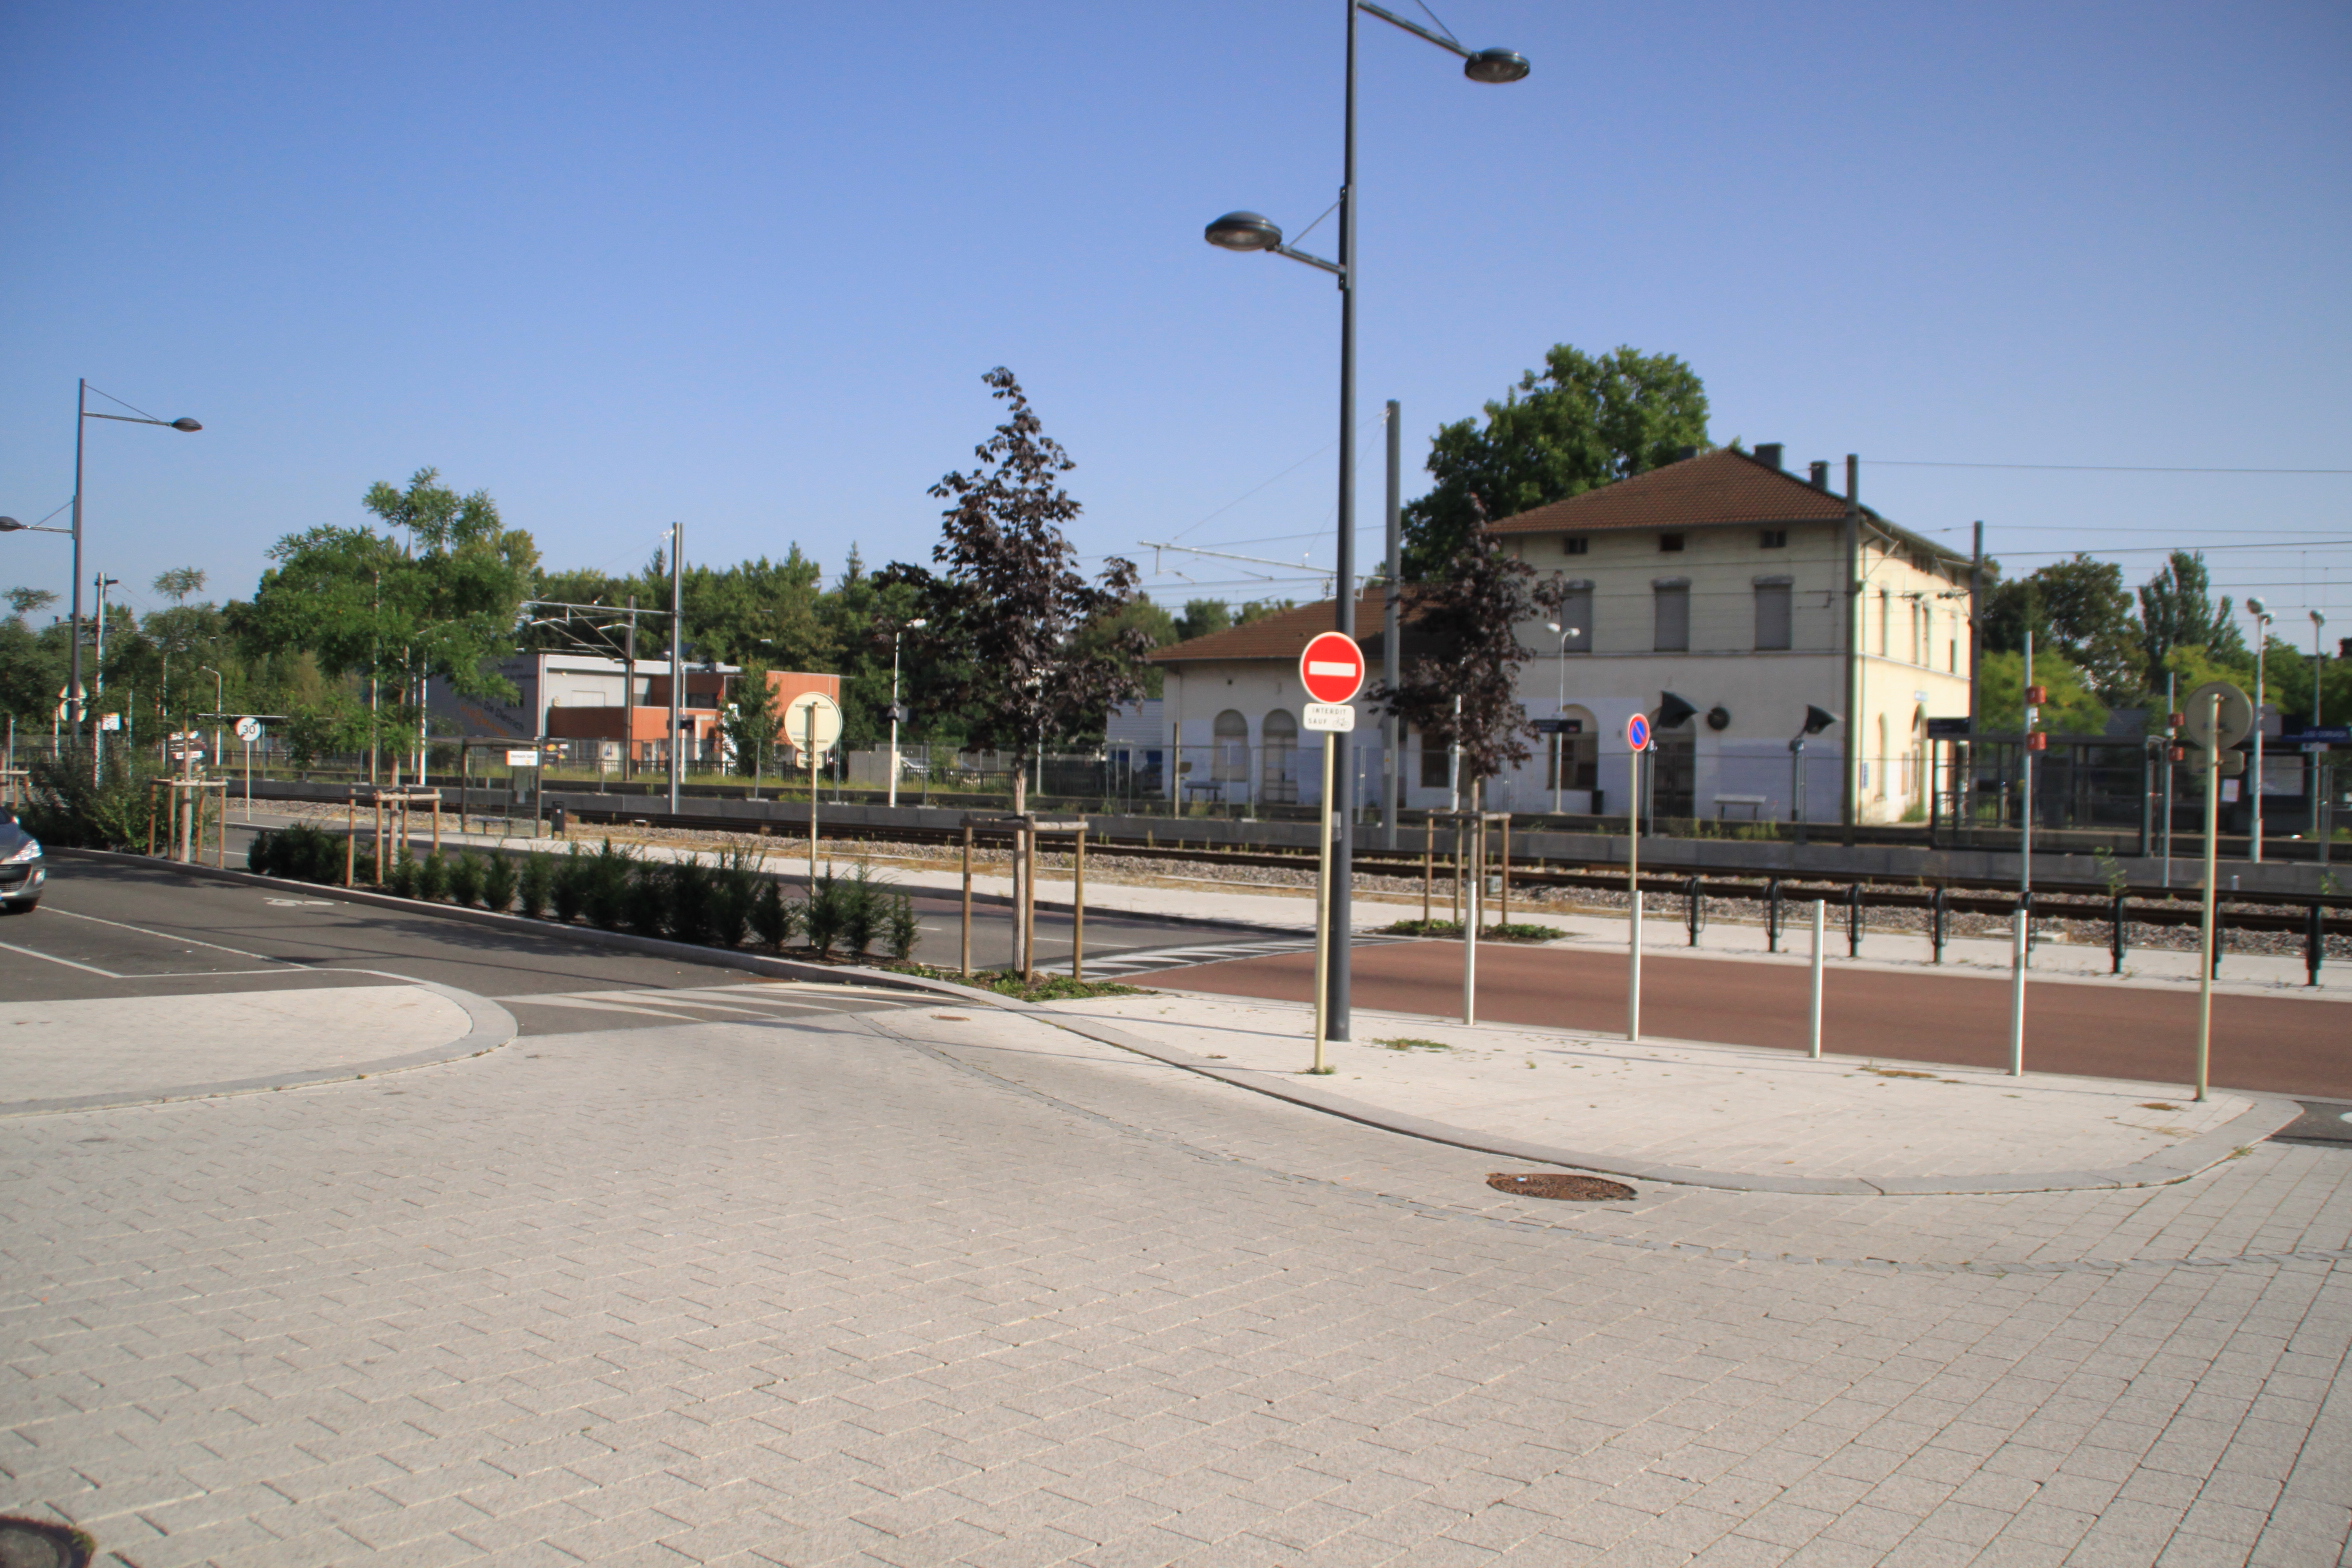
x: 1560, y: 713
x: 2261, y: 614
x: 1250, y: 231
x: 82, y: 418
x: 911, y: 626
x: 2323, y: 816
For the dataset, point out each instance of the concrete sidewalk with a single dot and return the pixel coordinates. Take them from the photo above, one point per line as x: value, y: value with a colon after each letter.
x: 1673, y: 1111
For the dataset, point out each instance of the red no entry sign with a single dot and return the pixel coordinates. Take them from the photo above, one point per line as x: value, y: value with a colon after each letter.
x: 1332, y: 668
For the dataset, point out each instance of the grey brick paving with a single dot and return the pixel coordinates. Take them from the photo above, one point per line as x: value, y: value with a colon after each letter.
x: 890, y: 1290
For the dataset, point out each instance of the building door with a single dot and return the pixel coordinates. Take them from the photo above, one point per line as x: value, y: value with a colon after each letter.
x: 1674, y: 773
x: 1278, y: 784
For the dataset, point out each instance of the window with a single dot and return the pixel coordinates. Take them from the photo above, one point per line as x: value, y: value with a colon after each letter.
x: 1436, y: 764
x: 1576, y: 618
x: 1669, y: 543
x: 1230, y: 764
x: 1773, y: 539
x: 1672, y: 611
x: 1575, y: 544
x: 1886, y: 614
x: 1774, y: 615
x: 1279, y: 759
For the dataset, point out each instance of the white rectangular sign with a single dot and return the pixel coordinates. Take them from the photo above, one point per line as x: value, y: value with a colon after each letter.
x: 1331, y: 718
x: 522, y: 759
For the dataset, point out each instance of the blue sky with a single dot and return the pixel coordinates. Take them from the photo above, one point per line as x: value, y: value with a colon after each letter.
x: 744, y: 265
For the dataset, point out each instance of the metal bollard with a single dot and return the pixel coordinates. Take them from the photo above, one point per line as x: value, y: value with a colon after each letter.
x: 2017, y: 924
x: 1820, y: 939
x: 1772, y: 916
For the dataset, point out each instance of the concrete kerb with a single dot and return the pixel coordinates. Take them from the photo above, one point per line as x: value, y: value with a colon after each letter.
x: 491, y: 1027
x: 2267, y: 1115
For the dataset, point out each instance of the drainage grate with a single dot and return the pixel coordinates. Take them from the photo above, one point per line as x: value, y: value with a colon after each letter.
x: 37, y: 1543
x: 1556, y: 1184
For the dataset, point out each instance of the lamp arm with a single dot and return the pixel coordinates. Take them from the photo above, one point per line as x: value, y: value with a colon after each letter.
x: 1332, y: 267
x: 1415, y: 28
x: 126, y: 419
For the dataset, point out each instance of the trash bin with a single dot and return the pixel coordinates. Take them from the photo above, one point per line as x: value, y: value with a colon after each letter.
x: 555, y: 817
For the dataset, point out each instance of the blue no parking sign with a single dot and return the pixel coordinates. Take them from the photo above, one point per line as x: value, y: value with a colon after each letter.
x: 1637, y: 732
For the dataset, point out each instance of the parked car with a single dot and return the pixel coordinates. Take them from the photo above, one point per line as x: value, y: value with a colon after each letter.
x: 23, y: 868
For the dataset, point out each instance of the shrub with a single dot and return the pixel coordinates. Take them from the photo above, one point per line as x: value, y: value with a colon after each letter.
x: 363, y: 869
x: 645, y: 901
x: 569, y: 884
x: 772, y: 919
x: 905, y: 930
x: 432, y: 879
x: 864, y: 910
x: 402, y: 879
x: 820, y: 915
x: 498, y: 883
x: 690, y: 917
x: 68, y: 807
x: 261, y: 854
x: 535, y: 885
x: 465, y: 879
x: 734, y: 889
x: 607, y: 879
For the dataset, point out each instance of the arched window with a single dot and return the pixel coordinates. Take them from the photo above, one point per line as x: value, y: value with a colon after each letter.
x: 1279, y: 766
x: 1882, y: 757
x: 1231, y: 763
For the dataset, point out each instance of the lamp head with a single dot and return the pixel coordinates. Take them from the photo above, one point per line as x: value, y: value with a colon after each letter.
x: 1244, y: 231
x: 1551, y: 626
x: 1817, y: 719
x: 2318, y: 619
x: 9, y: 525
x: 185, y: 424
x: 1673, y: 710
x: 917, y: 625
x: 1496, y: 66
x: 2258, y: 609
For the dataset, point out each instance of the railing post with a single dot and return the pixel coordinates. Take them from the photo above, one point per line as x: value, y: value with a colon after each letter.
x: 1820, y: 944
x: 1772, y: 915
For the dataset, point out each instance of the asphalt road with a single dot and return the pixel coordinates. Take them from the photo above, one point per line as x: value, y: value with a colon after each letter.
x: 2280, y: 1045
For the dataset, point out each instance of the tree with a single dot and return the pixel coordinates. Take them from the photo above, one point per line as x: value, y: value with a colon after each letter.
x: 2177, y: 611
x: 2079, y: 610
x: 1465, y: 645
x: 1203, y: 616
x: 441, y: 603
x: 2073, y: 709
x: 1582, y: 423
x: 1007, y: 606
x: 180, y: 582
x: 27, y: 601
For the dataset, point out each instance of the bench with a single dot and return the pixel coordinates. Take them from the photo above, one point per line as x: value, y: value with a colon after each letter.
x: 1753, y: 803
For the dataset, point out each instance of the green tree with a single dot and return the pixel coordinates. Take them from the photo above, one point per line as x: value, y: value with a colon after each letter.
x: 2078, y: 609
x: 1579, y: 423
x: 1203, y: 616
x: 2177, y: 610
x: 754, y: 718
x: 2073, y: 708
x: 442, y: 602
x: 180, y: 582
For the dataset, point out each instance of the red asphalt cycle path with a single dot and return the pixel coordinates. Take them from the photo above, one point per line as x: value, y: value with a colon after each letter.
x: 2278, y: 1045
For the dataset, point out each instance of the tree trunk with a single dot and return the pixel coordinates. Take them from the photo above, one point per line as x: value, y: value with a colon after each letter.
x: 1022, y: 892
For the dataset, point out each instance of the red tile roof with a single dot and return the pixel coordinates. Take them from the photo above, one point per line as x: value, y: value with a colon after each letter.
x: 1284, y: 635
x: 1722, y: 486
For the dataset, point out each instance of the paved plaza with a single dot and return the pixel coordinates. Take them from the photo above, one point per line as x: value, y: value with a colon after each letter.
x: 698, y: 1269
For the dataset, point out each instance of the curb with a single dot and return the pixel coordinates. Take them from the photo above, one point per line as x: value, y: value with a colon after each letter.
x: 2267, y: 1115
x: 653, y: 946
x: 492, y: 1027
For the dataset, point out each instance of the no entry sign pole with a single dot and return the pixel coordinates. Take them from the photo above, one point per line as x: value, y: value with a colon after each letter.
x: 1331, y: 670
x: 1637, y: 741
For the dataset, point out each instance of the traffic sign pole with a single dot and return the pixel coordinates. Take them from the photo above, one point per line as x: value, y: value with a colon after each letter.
x: 1331, y: 671
x: 2212, y: 859
x: 1637, y: 741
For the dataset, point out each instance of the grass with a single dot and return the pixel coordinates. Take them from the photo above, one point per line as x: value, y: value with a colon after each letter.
x: 1507, y: 931
x: 1410, y: 1043
x: 1053, y: 988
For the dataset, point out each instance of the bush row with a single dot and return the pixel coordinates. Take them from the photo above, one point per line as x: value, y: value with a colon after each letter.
x: 722, y: 902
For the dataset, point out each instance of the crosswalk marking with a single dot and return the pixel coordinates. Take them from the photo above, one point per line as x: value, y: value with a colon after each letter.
x: 1111, y: 966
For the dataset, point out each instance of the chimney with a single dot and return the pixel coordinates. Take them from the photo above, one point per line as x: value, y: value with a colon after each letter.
x: 1768, y: 453
x: 1819, y: 474
x: 1685, y: 454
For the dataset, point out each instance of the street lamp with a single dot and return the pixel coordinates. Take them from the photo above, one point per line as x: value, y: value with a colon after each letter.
x: 1251, y: 231
x: 82, y: 417
x: 2261, y: 614
x: 1817, y: 719
x: 911, y: 626
x: 2318, y: 664
x: 219, y: 701
x: 1560, y: 712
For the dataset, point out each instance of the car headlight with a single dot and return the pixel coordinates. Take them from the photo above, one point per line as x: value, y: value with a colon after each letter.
x: 30, y: 849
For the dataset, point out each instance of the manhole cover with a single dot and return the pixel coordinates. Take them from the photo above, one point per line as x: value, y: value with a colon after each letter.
x: 35, y: 1543
x: 1558, y: 1184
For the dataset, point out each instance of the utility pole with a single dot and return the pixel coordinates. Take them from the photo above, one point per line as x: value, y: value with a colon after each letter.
x: 678, y: 662
x: 629, y: 695
x: 1392, y: 729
